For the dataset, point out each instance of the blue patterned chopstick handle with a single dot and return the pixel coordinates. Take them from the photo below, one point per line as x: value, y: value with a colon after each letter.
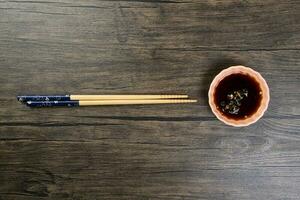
x: 24, y: 99
x: 39, y: 104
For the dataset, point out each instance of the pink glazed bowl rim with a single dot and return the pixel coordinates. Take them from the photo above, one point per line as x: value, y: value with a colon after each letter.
x: 239, y: 69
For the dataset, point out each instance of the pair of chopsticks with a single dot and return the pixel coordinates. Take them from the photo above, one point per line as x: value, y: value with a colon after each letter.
x: 98, y: 100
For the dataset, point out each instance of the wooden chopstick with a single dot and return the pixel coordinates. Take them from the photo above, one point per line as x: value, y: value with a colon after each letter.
x: 130, y: 102
x: 95, y: 97
x: 124, y: 97
x: 75, y: 103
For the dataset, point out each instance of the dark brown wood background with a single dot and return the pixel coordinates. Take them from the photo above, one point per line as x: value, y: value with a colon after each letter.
x: 155, y: 151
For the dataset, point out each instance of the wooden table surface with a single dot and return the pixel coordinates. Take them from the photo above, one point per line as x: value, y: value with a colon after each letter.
x: 152, y: 151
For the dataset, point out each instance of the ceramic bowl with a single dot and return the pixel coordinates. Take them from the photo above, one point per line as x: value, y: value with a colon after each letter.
x: 264, y: 100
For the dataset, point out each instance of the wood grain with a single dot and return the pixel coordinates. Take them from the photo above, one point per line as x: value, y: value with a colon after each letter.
x: 150, y: 151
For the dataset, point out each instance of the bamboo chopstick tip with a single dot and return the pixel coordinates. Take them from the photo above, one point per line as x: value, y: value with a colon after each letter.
x: 181, y: 96
x: 188, y: 101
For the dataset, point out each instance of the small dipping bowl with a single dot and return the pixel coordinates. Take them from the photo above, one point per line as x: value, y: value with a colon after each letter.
x: 263, y: 92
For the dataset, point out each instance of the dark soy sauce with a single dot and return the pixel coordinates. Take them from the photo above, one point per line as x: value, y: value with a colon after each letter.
x: 238, y: 96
